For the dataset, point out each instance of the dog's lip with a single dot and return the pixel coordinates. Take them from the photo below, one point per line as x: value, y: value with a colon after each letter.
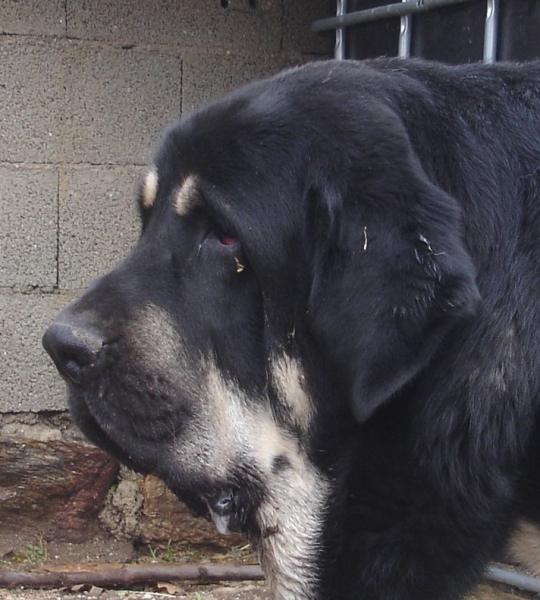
x: 222, y: 522
x: 98, y: 435
x: 221, y: 507
x: 220, y: 500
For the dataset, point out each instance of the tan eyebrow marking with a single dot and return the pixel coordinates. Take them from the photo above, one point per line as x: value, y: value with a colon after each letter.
x: 185, y: 196
x: 149, y: 188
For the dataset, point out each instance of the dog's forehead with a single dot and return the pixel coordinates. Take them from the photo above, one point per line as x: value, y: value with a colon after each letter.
x: 182, y: 192
x: 149, y: 188
x: 186, y: 195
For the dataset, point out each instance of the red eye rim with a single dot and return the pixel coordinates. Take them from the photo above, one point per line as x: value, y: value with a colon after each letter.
x: 227, y: 240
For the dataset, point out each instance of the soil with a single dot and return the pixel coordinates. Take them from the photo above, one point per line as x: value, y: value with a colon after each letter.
x: 108, y: 550
x: 240, y: 591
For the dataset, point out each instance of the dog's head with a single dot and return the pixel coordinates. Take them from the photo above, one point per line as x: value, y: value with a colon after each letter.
x: 295, y: 269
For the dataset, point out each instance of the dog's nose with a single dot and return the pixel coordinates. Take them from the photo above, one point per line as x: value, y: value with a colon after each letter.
x: 72, y: 349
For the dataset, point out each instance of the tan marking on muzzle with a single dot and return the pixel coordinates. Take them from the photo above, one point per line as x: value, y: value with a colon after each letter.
x: 291, y: 518
x: 149, y: 188
x: 186, y: 195
x: 227, y: 428
x: 158, y: 350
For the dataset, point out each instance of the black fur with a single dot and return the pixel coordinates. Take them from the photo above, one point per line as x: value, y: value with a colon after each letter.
x: 387, y: 218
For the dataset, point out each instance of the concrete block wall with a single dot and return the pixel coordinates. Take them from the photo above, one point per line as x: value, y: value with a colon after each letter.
x: 86, y: 88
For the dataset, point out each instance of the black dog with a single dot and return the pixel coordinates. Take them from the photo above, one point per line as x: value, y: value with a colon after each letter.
x: 328, y: 334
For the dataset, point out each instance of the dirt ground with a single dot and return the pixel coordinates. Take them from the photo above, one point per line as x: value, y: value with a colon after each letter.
x: 230, y: 591
x: 56, y: 557
x: 241, y: 591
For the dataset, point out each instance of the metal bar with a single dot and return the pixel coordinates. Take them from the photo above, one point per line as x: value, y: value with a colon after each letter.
x: 524, y: 582
x: 490, y: 33
x: 339, y: 51
x: 407, y: 7
x: 404, y: 48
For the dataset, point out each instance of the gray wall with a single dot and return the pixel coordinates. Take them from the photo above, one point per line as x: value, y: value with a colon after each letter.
x: 86, y: 87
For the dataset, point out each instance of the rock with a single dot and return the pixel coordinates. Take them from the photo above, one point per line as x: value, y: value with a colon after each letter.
x: 165, y: 520
x: 56, y: 487
x: 121, y: 513
x: 36, y: 432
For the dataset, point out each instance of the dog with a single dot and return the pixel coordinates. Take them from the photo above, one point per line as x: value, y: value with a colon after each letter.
x: 328, y: 335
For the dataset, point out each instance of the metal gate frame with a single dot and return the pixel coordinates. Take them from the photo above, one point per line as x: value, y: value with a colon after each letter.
x: 404, y: 10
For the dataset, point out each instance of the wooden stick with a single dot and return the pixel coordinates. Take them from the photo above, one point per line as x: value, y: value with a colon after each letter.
x: 131, y: 574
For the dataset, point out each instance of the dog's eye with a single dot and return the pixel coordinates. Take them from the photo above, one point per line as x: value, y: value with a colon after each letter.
x: 226, y: 240
x: 222, y: 234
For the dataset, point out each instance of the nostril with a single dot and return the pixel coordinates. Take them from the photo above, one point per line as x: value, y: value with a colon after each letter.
x: 71, y: 349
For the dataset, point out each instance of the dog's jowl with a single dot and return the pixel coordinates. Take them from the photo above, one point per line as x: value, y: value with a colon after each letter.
x: 328, y: 334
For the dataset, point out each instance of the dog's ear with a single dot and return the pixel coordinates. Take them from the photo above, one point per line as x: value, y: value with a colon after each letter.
x: 391, y: 276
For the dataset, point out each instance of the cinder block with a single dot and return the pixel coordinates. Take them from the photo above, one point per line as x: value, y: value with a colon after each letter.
x: 28, y: 226
x: 297, y: 20
x: 204, y: 24
x: 30, y: 382
x: 207, y: 77
x: 33, y: 17
x: 98, y: 222
x: 118, y: 102
x: 31, y: 99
